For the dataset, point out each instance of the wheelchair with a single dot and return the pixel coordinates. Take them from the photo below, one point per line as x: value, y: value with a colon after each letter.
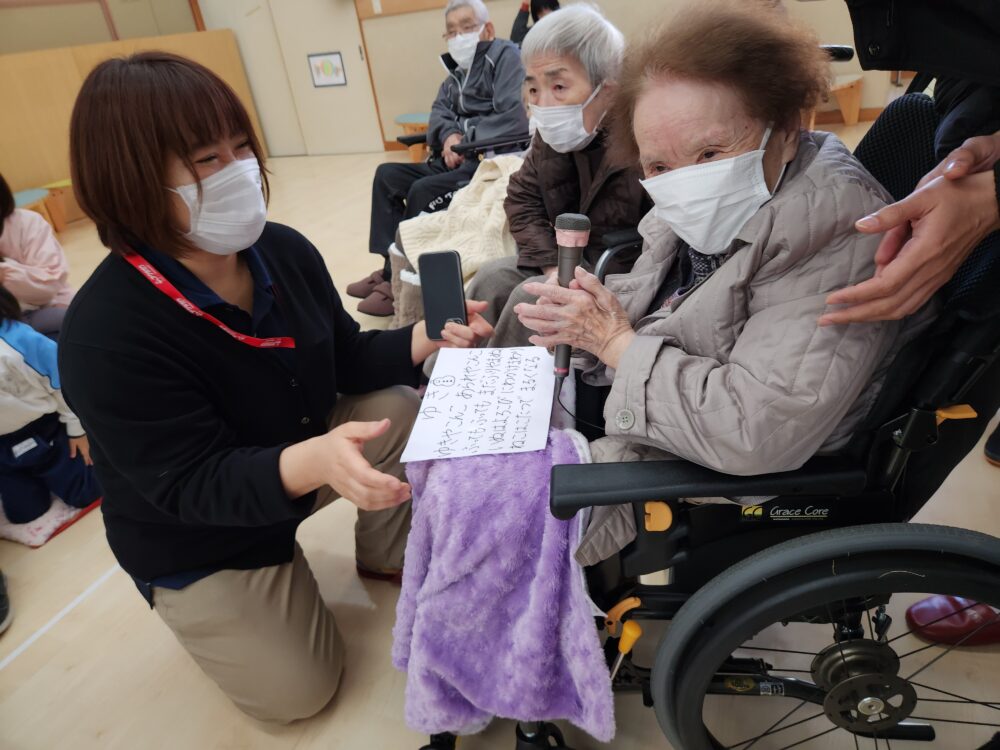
x: 796, y: 602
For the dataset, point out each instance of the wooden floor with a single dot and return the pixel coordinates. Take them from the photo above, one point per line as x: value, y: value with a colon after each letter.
x: 86, y: 664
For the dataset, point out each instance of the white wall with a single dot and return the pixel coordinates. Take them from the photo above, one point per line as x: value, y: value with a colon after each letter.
x: 337, y: 119
x: 27, y: 28
x: 404, y: 49
x: 275, y: 37
x: 138, y: 18
x: 253, y: 26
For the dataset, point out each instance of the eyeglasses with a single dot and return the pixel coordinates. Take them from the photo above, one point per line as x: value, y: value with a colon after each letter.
x: 461, y: 30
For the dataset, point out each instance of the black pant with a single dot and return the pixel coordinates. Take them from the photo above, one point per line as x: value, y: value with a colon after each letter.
x: 402, y: 191
x: 35, y: 464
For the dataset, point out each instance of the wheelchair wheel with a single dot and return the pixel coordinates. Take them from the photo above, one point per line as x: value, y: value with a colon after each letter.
x: 813, y: 631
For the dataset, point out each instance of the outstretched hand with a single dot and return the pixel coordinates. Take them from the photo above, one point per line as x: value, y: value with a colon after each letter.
x: 350, y: 474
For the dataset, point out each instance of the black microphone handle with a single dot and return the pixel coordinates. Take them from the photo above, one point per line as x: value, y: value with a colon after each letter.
x: 569, y: 259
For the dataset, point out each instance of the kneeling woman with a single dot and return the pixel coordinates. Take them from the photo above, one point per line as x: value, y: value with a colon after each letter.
x: 205, y: 357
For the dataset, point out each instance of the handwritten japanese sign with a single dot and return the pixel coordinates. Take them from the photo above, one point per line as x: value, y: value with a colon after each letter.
x: 484, y: 401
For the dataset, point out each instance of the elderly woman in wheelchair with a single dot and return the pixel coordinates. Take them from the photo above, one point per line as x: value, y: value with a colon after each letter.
x: 710, y: 344
x: 720, y: 385
x: 709, y: 351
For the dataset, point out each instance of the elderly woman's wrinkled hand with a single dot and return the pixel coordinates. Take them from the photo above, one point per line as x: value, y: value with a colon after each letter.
x: 585, y: 315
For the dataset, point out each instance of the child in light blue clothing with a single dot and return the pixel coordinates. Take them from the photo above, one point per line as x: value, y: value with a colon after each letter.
x: 43, y: 449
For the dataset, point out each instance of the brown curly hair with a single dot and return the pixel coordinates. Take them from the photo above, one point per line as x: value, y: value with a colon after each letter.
x: 773, y: 62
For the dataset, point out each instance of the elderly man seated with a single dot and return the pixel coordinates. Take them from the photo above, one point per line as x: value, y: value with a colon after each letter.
x: 572, y: 58
x: 480, y: 100
x: 710, y: 344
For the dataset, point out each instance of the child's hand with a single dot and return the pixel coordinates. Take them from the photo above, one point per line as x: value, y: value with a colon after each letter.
x: 80, y: 445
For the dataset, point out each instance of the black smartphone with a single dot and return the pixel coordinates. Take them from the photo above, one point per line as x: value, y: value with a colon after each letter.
x: 443, y: 291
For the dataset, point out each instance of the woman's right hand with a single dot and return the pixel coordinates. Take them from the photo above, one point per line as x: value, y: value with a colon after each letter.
x: 350, y: 474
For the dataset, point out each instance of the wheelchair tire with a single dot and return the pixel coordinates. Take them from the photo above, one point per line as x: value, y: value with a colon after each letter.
x: 730, y: 605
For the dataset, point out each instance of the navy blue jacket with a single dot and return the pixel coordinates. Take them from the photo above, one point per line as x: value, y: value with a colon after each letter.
x: 186, y: 424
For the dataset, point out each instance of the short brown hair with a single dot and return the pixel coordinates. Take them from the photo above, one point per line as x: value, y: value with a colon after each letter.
x: 773, y: 63
x: 131, y: 114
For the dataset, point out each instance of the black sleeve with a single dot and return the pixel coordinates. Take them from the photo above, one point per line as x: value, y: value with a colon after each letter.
x: 367, y: 361
x: 954, y: 39
x: 157, y: 428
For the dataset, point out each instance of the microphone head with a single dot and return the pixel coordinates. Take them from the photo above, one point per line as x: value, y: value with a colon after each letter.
x: 572, y: 230
x: 573, y: 222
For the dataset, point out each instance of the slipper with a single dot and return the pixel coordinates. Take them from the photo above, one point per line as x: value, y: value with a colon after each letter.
x: 379, y: 303
x: 366, y: 286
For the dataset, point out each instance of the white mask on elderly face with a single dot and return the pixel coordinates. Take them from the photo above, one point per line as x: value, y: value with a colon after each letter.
x: 462, y: 48
x: 707, y: 204
x: 232, y: 212
x: 562, y: 127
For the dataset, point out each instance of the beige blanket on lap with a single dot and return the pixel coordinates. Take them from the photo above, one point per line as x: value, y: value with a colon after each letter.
x: 475, y: 223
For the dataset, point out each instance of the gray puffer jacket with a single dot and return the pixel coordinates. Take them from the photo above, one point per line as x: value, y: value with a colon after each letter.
x: 736, y: 375
x: 484, y: 102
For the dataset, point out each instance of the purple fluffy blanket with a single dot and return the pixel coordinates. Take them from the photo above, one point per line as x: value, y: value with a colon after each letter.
x: 494, y: 618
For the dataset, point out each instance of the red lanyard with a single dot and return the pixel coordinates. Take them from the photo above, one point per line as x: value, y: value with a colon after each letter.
x: 160, y: 282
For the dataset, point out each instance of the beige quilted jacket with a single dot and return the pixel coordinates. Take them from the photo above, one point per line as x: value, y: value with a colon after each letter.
x: 736, y: 375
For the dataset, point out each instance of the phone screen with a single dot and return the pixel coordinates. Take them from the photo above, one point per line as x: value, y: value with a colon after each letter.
x: 443, y: 292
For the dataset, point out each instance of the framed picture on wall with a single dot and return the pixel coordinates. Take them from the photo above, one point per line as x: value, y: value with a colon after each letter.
x: 327, y: 69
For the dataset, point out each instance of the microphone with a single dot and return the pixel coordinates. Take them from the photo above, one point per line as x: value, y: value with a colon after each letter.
x: 572, y: 236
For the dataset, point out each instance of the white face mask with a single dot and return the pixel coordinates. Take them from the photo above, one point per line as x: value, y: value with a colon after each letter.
x: 562, y: 127
x: 707, y: 204
x: 232, y: 212
x: 462, y: 48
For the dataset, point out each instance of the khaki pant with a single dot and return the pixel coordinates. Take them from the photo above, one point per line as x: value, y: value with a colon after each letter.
x: 265, y: 635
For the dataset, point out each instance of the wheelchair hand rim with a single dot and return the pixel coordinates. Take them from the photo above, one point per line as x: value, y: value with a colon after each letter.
x: 783, y: 596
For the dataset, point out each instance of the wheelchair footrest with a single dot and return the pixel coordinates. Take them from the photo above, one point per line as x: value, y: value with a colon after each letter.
x: 541, y: 734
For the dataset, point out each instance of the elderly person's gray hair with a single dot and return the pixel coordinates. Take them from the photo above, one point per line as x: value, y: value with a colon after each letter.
x: 583, y: 33
x: 478, y: 7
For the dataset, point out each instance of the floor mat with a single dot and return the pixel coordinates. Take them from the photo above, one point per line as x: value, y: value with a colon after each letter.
x: 56, y: 519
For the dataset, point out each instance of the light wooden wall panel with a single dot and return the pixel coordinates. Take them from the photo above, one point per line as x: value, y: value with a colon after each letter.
x: 39, y: 88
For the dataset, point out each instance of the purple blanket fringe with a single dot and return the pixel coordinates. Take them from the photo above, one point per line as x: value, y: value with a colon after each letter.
x: 493, y: 618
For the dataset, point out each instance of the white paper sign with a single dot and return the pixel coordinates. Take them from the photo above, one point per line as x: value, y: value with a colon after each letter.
x: 484, y: 401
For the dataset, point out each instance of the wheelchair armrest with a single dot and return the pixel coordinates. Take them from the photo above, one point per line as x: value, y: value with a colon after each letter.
x: 412, y: 140
x: 481, y: 147
x: 579, y: 486
x: 621, y: 237
x: 838, y: 52
x: 616, y: 243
